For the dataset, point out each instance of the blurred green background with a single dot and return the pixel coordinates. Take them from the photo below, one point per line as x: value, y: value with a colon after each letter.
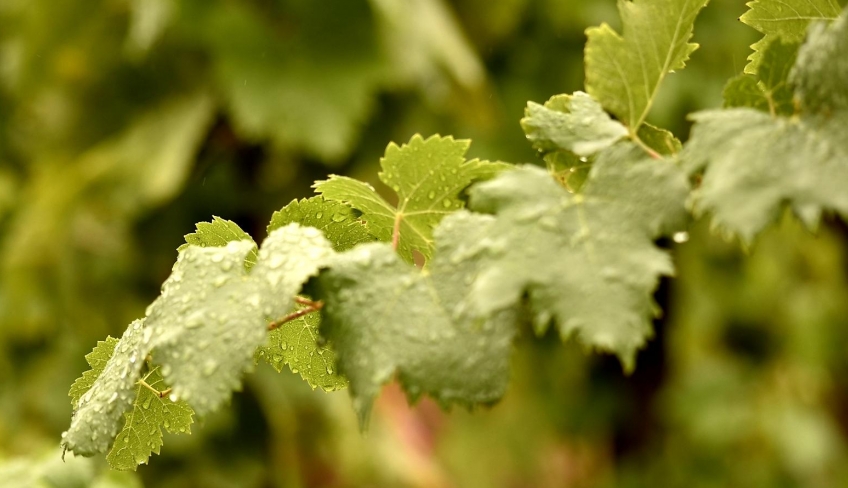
x: 124, y: 122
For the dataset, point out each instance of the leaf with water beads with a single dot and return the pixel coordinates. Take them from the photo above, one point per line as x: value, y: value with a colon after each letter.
x: 754, y: 164
x: 786, y: 20
x: 587, y: 262
x: 212, y: 314
x: 386, y: 317
x: 142, y: 432
x: 218, y: 233
x: 297, y: 342
x: 428, y: 177
x: 98, y: 411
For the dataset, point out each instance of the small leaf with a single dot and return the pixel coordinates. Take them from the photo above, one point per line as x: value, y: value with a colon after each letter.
x: 769, y: 90
x: 428, y: 176
x: 142, y: 432
x: 783, y: 19
x: 218, y: 233
x: 624, y: 72
x: 574, y: 123
x: 336, y: 220
x: 297, y: 344
x: 98, y: 411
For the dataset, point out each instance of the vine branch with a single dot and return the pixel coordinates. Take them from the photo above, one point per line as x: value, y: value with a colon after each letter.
x: 309, y: 307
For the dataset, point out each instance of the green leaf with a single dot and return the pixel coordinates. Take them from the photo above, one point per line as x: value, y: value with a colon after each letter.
x: 212, y: 315
x: 142, y: 432
x: 218, y: 233
x: 574, y: 123
x: 388, y: 318
x: 769, y: 90
x: 97, y: 359
x: 98, y: 410
x: 297, y: 343
x: 755, y: 164
x: 316, y: 100
x: 336, y: 220
x: 624, y: 72
x: 428, y: 177
x: 821, y: 71
x: 784, y: 19
x: 587, y: 261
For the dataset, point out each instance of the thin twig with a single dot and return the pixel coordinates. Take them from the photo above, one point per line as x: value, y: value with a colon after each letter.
x: 396, y: 232
x: 314, y: 307
x: 160, y: 394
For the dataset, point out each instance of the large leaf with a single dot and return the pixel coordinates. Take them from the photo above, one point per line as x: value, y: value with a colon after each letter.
x: 428, y: 177
x: 784, y: 19
x: 212, y: 314
x: 586, y: 261
x: 754, y: 163
x: 386, y: 318
x: 624, y: 71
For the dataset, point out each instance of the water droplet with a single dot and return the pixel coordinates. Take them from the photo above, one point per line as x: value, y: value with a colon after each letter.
x: 319, y: 215
x: 339, y: 217
x: 431, y: 195
x: 446, y: 203
x: 329, y: 370
x: 680, y: 237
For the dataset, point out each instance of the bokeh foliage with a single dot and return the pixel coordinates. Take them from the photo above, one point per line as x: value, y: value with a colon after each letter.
x: 125, y: 122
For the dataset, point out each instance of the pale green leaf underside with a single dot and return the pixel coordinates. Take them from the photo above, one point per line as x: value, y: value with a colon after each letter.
x: 98, y: 411
x: 142, y: 432
x: 586, y: 261
x: 428, y: 177
x: 755, y: 164
x: 784, y: 19
x: 388, y: 318
x: 218, y: 233
x: 212, y: 314
x: 97, y: 359
x: 574, y: 123
x: 624, y: 72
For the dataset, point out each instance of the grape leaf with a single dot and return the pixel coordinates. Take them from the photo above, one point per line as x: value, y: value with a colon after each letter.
x: 754, y: 164
x: 336, y: 220
x: 769, y: 90
x: 98, y: 410
x: 587, y: 261
x: 212, y: 314
x: 574, y: 123
x: 386, y: 317
x: 783, y: 19
x: 316, y: 100
x: 296, y: 342
x: 142, y: 432
x: 428, y: 177
x: 97, y: 359
x: 218, y: 233
x: 624, y: 72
